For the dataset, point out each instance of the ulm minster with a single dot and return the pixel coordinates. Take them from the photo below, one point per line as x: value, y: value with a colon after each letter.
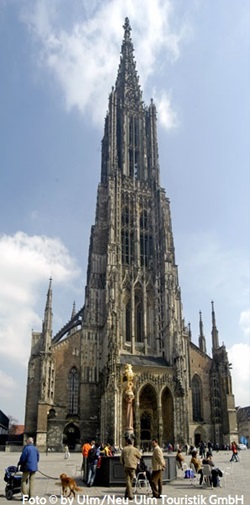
x: 132, y: 313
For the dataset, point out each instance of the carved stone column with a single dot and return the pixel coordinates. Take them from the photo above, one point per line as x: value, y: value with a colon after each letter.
x: 129, y: 397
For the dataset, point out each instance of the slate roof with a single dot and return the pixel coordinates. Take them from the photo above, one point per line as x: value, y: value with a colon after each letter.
x: 136, y: 360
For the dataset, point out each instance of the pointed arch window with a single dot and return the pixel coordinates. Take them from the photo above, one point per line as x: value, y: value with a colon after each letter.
x: 197, y: 399
x: 128, y: 321
x: 145, y: 239
x: 133, y: 147
x: 73, y: 392
x: 138, y: 318
x: 127, y: 236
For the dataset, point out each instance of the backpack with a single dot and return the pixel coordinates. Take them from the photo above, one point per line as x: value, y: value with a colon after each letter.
x: 92, y: 454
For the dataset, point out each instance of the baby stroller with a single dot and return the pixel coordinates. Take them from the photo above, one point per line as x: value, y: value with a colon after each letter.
x: 142, y: 478
x: 13, y: 479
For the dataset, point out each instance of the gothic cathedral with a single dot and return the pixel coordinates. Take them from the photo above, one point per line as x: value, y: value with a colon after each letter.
x: 132, y: 313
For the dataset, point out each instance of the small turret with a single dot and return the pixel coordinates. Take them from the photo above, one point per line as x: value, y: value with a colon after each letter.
x: 47, y: 323
x: 73, y: 310
x: 202, y: 339
x: 215, y: 334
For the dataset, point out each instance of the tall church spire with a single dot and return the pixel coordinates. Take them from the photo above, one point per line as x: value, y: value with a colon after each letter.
x: 202, y: 340
x: 127, y: 82
x: 215, y: 334
x: 129, y: 144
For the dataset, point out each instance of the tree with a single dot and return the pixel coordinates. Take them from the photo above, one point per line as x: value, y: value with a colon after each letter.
x: 13, y: 422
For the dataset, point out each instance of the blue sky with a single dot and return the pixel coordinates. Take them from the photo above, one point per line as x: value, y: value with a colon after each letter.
x: 59, y: 60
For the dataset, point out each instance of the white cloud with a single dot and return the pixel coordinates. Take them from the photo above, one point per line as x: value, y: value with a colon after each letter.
x: 83, y: 55
x: 239, y: 356
x: 245, y: 322
x: 8, y: 385
x: 26, y: 263
x: 166, y: 114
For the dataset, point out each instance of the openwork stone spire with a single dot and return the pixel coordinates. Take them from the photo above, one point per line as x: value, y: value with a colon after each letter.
x: 127, y: 83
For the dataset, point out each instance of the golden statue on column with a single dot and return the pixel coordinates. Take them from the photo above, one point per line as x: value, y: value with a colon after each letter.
x: 128, y: 385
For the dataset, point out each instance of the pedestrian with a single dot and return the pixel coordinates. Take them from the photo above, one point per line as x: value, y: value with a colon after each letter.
x: 158, y: 465
x: 130, y: 457
x: 85, y: 450
x: 28, y: 463
x: 235, y: 456
x: 66, y: 452
x: 93, y: 456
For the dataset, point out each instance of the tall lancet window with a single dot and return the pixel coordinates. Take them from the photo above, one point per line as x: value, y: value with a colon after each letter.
x: 133, y: 147
x: 197, y: 398
x: 127, y: 235
x: 145, y: 239
x: 138, y: 318
x: 73, y: 392
x: 128, y: 321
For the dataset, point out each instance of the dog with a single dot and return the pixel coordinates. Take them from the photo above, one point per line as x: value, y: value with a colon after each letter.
x: 68, y: 483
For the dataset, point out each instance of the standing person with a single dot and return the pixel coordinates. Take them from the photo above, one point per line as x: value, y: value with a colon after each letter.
x: 29, y: 465
x: 85, y: 450
x: 130, y: 457
x: 93, y: 456
x: 158, y: 465
x: 66, y: 452
x: 210, y: 448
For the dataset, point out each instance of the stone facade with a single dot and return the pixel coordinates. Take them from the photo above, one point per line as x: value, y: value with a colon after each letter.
x: 132, y: 313
x: 243, y: 419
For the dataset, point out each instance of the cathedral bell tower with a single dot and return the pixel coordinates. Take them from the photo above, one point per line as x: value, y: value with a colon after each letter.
x: 133, y: 302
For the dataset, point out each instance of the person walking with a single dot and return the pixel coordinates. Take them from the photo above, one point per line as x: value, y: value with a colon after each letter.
x: 158, y: 465
x: 130, y: 457
x: 66, y: 452
x: 28, y: 463
x: 235, y: 456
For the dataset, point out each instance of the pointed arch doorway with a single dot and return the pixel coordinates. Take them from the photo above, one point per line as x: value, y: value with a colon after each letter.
x: 148, y: 416
x: 167, y: 417
x: 71, y: 436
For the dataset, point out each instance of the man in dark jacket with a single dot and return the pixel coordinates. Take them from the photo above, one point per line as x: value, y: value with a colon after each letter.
x: 28, y: 462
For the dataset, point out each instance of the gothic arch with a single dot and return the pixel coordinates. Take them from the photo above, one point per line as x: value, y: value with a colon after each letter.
x: 71, y: 435
x: 138, y: 317
x: 150, y: 314
x: 197, y: 398
x: 126, y: 315
x: 148, y: 414
x: 73, y: 392
x: 199, y: 435
x: 167, y: 416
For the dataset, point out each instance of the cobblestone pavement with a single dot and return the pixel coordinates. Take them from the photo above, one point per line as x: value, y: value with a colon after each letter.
x: 235, y: 484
